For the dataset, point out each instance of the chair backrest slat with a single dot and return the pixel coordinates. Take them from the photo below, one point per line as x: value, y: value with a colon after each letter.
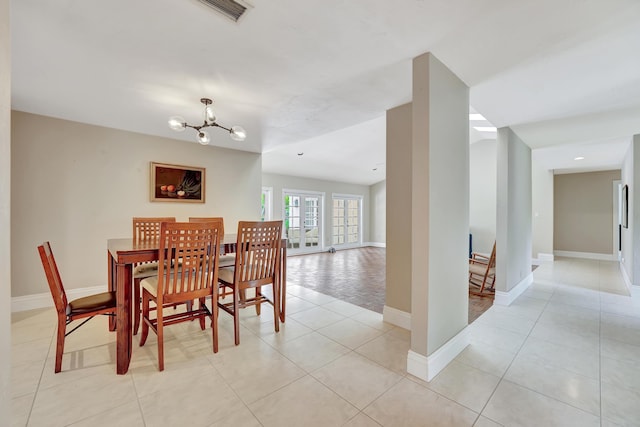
x: 194, y: 247
x: 53, y: 277
x: 258, y: 251
x: 208, y: 219
x: 147, y: 229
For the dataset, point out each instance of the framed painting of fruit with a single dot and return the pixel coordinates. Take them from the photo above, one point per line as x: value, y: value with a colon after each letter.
x: 176, y: 183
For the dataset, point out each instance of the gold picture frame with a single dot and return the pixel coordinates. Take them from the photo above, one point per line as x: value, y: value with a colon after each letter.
x: 177, y: 183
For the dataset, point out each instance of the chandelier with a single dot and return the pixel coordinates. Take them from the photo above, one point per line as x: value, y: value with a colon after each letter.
x: 178, y: 124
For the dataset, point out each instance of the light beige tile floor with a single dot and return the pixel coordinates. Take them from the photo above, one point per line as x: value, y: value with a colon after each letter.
x: 566, y: 353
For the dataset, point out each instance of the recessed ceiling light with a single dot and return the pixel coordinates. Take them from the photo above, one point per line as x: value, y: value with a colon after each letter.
x: 476, y: 116
x: 485, y: 128
x: 579, y: 158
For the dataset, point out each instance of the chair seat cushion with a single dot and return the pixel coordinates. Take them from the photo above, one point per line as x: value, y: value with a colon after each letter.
x: 227, y: 260
x: 148, y: 269
x: 226, y: 275
x: 480, y: 269
x: 151, y: 285
x: 145, y: 270
x: 92, y: 303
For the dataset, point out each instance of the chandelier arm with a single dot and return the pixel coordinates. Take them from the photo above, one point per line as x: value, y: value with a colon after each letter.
x: 220, y: 126
x: 197, y: 128
x: 206, y: 125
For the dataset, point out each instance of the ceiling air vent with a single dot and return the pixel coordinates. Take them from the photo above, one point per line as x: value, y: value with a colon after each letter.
x: 230, y: 8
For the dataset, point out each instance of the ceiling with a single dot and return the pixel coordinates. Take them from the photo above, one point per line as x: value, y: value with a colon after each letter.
x: 317, y: 76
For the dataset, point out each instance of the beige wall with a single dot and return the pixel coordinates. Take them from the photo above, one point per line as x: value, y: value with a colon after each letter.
x: 77, y: 185
x: 583, y: 212
x: 398, y: 209
x: 5, y: 217
x: 280, y: 182
x: 378, y: 226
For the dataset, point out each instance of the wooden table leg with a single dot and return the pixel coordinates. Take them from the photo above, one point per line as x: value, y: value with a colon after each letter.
x: 111, y: 274
x: 123, y: 318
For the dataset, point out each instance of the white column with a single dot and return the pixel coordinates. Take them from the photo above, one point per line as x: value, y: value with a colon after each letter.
x: 513, y: 232
x: 5, y: 211
x: 440, y: 217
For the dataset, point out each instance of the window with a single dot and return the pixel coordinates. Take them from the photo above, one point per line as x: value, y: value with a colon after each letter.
x: 266, y: 203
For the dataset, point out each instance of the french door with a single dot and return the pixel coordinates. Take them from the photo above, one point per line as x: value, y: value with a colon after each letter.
x: 347, y: 220
x: 302, y: 221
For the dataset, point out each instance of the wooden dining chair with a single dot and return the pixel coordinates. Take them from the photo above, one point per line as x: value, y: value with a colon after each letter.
x: 226, y: 259
x: 145, y: 229
x: 68, y: 311
x: 196, y: 245
x: 257, y: 264
x: 482, y: 271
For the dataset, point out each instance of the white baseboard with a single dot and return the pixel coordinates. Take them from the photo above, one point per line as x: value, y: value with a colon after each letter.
x: 542, y: 257
x: 396, y: 317
x: 586, y: 255
x: 375, y: 244
x: 626, y: 278
x: 32, y: 302
x: 426, y: 368
x: 506, y: 298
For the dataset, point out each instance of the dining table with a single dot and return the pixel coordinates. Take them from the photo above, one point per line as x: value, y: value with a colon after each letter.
x: 122, y: 255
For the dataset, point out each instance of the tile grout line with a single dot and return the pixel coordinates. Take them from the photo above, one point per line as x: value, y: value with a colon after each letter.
x: 502, y: 378
x: 44, y: 364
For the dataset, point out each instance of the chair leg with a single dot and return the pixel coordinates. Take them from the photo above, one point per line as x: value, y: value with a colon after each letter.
x: 201, y: 314
x: 136, y: 306
x: 214, y: 315
x: 62, y: 328
x: 145, y: 315
x: 484, y: 282
x: 258, y: 306
x: 236, y: 315
x: 160, y: 332
x: 276, y: 306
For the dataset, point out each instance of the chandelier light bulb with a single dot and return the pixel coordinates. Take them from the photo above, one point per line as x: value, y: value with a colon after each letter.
x: 238, y: 133
x: 209, y: 114
x: 203, y: 137
x: 177, y: 123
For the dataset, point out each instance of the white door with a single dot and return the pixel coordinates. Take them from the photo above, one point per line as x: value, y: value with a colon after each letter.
x: 302, y: 220
x: 347, y: 221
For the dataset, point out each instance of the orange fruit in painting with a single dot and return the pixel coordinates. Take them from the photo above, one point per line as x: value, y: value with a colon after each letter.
x: 171, y: 188
x: 163, y: 188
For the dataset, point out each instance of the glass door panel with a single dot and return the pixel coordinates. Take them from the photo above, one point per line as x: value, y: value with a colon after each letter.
x: 302, y: 219
x: 346, y: 227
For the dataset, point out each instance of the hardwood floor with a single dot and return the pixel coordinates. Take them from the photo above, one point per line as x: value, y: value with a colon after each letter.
x: 356, y: 276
